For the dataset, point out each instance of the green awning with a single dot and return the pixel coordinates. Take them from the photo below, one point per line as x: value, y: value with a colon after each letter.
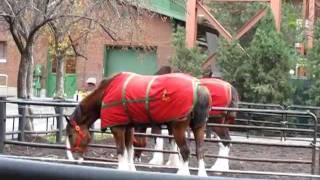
x: 172, y: 8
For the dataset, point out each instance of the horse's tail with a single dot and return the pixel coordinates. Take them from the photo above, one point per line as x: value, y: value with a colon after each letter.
x: 233, y: 104
x: 201, y: 108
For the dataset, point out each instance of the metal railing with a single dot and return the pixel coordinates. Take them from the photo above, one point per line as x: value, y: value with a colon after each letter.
x: 280, y: 112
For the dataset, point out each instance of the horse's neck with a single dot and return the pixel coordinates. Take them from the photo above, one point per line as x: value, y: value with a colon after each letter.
x: 92, y: 110
x: 92, y: 103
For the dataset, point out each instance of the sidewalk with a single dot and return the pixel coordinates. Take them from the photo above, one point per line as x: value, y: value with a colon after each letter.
x: 40, y: 124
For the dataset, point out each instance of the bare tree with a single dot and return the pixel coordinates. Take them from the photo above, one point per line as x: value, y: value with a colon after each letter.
x: 24, y: 20
x: 72, y: 31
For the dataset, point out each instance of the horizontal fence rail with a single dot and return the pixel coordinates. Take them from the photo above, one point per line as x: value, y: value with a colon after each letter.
x: 26, y: 169
x: 113, y: 163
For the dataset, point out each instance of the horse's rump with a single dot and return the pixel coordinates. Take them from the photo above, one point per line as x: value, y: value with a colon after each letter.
x: 133, y: 98
x: 220, y: 94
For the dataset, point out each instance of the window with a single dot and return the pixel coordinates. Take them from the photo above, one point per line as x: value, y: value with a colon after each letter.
x: 70, y: 65
x: 3, y: 52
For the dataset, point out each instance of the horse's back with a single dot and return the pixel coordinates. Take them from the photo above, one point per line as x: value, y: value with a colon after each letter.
x: 220, y: 92
x: 139, y: 99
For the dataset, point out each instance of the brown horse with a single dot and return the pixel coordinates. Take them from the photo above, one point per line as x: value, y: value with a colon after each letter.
x: 129, y: 100
x: 223, y: 94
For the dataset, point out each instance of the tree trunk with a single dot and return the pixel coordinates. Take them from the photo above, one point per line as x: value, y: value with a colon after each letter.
x: 30, y: 72
x: 60, y: 74
x: 22, y: 77
x: 25, y: 82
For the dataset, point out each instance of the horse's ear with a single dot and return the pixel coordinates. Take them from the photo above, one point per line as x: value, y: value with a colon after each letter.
x: 67, y: 119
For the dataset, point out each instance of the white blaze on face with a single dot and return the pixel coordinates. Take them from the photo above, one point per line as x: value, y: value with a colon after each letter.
x: 69, y: 153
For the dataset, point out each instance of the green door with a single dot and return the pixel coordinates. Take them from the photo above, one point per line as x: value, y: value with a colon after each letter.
x: 70, y: 78
x: 132, y: 60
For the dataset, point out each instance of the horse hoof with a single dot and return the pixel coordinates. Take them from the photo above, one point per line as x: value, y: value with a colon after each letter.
x: 183, y: 172
x: 80, y: 160
x: 202, y: 173
x: 156, y: 161
x: 173, y: 161
x: 137, y: 160
x: 219, y: 168
x: 133, y: 167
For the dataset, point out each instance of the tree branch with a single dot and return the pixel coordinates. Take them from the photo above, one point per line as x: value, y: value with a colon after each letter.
x: 73, y: 45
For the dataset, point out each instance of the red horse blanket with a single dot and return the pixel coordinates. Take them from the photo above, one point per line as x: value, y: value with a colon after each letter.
x: 133, y: 98
x: 220, y: 93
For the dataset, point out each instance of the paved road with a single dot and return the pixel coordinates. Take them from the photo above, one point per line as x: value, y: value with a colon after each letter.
x: 40, y: 124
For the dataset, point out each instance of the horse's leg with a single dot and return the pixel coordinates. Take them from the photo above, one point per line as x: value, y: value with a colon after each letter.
x: 178, y: 130
x: 224, y: 148
x: 157, y: 156
x: 173, y: 159
x: 129, y: 147
x: 119, y: 136
x: 139, y: 141
x: 199, y: 138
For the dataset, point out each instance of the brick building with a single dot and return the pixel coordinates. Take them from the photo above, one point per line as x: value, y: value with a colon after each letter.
x: 142, y: 49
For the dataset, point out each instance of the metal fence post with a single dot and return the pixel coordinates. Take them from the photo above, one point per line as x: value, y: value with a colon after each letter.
x: 59, y: 124
x: 22, y: 109
x: 3, y: 115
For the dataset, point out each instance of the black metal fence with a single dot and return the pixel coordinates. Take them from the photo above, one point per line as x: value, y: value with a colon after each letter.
x: 261, y: 109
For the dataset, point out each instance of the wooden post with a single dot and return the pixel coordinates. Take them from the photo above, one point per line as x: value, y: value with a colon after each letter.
x: 310, y: 20
x: 276, y: 11
x: 22, y: 109
x: 3, y: 115
x: 191, y: 23
x: 59, y: 124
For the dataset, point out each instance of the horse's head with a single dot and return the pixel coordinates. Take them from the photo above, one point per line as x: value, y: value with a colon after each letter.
x: 77, y: 133
x: 85, y: 114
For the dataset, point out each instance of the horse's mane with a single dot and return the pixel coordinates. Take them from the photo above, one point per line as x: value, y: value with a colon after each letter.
x: 164, y: 70
x: 96, y: 95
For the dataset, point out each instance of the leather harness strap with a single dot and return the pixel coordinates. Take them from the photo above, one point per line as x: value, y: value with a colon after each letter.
x: 147, y: 99
x: 123, y: 96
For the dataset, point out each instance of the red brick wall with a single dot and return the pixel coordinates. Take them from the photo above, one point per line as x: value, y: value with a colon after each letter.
x: 154, y: 32
x: 12, y: 56
x: 11, y: 67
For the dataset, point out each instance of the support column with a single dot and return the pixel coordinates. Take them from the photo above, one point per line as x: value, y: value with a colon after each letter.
x: 310, y: 20
x: 276, y: 11
x: 191, y: 23
x: 3, y: 116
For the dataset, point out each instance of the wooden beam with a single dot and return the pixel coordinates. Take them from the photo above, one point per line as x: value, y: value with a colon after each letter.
x: 239, y: 0
x: 310, y: 23
x: 276, y: 11
x: 214, y: 22
x: 191, y: 23
x: 250, y: 23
